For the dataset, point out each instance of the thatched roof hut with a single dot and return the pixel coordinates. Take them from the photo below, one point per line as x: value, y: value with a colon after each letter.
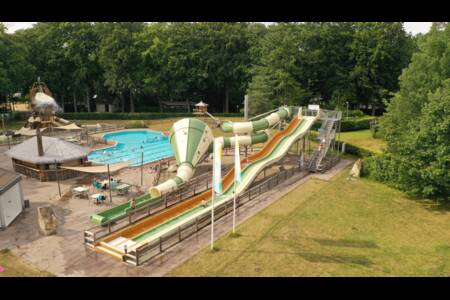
x: 56, y: 153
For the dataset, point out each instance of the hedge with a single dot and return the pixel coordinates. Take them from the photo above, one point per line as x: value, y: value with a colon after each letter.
x: 133, y: 116
x: 353, y: 124
x: 349, y: 148
x: 350, y: 124
x: 352, y: 113
x: 355, y: 150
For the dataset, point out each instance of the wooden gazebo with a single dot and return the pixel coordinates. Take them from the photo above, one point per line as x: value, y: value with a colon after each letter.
x: 201, y: 108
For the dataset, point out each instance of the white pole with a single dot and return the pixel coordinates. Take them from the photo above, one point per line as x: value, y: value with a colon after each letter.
x: 212, y: 204
x: 234, y: 209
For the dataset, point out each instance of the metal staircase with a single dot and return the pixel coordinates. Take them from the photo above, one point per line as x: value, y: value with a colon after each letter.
x: 327, y: 134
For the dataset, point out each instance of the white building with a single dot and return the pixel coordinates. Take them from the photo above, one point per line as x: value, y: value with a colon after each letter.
x: 11, y: 197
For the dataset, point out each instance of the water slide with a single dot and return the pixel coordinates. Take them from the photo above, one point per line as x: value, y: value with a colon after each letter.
x: 157, y: 225
x: 191, y: 140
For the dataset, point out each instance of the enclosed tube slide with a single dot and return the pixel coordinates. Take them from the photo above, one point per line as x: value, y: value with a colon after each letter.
x: 261, y: 124
x: 191, y: 139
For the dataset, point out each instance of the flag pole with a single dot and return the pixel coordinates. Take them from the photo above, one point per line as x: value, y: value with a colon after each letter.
x: 237, y: 170
x: 234, y: 208
x: 212, y: 198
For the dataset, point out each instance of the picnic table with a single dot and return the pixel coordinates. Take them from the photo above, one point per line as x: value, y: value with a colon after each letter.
x: 80, y: 191
x: 98, y: 198
x: 123, y: 188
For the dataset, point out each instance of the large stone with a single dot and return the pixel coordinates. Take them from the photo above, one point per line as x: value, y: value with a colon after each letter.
x: 46, y: 220
x: 357, y: 169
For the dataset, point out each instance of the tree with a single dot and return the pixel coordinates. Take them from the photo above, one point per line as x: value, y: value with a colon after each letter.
x: 380, y: 51
x: 81, y: 50
x: 120, y: 60
x: 417, y: 123
x: 15, y: 71
x: 274, y: 78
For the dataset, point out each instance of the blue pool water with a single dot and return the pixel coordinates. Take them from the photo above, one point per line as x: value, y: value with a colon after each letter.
x: 130, y: 145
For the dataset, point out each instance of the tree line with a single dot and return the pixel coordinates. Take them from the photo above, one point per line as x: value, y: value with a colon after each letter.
x: 141, y: 64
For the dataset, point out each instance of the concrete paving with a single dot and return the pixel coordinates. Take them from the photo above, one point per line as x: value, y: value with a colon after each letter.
x: 64, y: 254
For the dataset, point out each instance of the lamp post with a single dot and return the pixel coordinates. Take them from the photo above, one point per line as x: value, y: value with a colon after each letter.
x: 142, y: 165
x: 57, y: 178
x: 109, y: 184
x: 347, y: 109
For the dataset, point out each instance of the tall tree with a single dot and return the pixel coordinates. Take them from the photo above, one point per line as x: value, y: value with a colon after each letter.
x: 120, y: 59
x: 15, y: 71
x: 380, y: 50
x: 417, y: 123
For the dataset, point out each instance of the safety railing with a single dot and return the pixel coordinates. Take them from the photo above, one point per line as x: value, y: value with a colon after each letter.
x: 149, y: 250
x: 195, y: 186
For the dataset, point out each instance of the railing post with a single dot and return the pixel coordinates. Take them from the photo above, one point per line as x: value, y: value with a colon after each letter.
x: 160, y: 244
x: 137, y: 258
x: 179, y: 233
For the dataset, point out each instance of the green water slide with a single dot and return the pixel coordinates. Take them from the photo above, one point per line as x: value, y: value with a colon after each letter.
x: 191, y: 139
x: 120, y: 211
x: 248, y: 174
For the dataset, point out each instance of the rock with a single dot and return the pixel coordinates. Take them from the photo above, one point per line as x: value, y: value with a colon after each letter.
x: 357, y: 169
x: 172, y: 169
x: 46, y: 220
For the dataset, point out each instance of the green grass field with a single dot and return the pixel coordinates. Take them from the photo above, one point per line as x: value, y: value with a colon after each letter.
x: 17, y: 267
x: 337, y: 228
x: 363, y: 139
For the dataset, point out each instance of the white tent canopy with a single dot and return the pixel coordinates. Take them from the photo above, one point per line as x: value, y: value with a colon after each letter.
x: 99, y: 169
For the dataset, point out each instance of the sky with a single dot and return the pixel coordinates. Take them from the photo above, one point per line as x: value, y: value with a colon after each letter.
x: 413, y: 27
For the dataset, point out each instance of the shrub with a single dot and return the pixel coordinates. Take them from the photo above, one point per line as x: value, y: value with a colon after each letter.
x: 354, y: 150
x: 353, y: 124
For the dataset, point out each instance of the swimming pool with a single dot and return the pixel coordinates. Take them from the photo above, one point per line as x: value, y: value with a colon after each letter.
x: 130, y: 144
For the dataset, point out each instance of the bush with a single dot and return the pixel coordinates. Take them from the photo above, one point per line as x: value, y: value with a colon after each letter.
x: 355, y: 113
x: 19, y: 115
x: 353, y: 124
x: 354, y: 150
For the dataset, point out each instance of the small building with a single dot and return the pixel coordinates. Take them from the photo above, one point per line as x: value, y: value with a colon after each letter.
x: 11, y: 197
x: 56, y: 153
x: 176, y: 106
x: 201, y: 108
x: 103, y: 105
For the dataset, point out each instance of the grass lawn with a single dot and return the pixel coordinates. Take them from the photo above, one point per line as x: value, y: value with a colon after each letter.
x: 363, y: 139
x: 16, y: 267
x: 336, y: 228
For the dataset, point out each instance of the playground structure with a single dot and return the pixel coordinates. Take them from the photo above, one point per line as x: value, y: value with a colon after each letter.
x: 43, y: 109
x: 191, y: 140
